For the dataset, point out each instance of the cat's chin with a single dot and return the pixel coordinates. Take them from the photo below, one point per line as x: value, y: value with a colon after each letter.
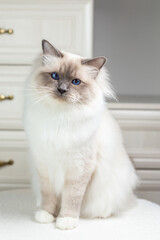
x: 64, y: 99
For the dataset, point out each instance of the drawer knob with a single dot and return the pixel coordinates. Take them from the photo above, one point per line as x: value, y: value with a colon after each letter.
x: 3, y: 31
x: 3, y: 97
x: 4, y: 163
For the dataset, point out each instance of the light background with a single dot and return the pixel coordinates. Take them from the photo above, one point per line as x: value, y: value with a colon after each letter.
x: 127, y: 32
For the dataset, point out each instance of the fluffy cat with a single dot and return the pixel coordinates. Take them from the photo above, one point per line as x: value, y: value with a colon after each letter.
x: 75, y: 144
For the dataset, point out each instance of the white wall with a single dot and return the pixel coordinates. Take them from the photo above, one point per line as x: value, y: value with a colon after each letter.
x: 127, y: 32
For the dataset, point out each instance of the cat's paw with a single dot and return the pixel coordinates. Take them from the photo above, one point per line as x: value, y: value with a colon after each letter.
x: 66, y: 223
x: 43, y: 216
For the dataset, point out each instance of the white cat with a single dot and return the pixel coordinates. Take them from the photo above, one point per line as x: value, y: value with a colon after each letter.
x: 75, y: 144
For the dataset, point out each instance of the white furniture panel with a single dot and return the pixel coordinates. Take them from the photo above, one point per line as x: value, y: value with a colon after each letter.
x: 141, y: 130
x: 146, y: 163
x: 12, y: 81
x: 13, y: 147
x: 66, y: 24
x: 16, y: 172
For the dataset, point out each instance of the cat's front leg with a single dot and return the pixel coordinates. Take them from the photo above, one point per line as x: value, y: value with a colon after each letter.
x: 48, y: 202
x: 72, y: 196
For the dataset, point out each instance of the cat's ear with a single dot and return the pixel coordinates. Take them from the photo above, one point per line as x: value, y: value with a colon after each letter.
x: 95, y: 62
x: 48, y: 49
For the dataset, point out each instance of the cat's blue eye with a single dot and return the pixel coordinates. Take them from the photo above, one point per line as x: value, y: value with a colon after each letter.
x: 55, y: 75
x: 76, y: 81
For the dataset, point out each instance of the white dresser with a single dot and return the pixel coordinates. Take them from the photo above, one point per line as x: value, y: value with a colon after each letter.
x: 23, y: 24
x: 140, y: 123
x: 67, y: 24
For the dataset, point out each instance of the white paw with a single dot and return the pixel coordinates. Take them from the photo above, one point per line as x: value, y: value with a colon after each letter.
x: 43, y: 216
x: 66, y: 223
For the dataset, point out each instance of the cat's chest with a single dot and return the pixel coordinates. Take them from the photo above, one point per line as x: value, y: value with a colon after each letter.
x: 61, y: 131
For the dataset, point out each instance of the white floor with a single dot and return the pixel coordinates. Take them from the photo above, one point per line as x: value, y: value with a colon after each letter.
x: 17, y: 222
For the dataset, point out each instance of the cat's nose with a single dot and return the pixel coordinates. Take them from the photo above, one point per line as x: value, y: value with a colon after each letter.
x: 61, y: 90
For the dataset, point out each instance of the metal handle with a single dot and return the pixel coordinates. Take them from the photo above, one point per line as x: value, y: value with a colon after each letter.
x: 8, y: 31
x: 3, y: 97
x: 4, y: 163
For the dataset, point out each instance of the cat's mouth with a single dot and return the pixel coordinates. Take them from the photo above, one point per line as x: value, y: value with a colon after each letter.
x: 65, y: 97
x: 60, y: 96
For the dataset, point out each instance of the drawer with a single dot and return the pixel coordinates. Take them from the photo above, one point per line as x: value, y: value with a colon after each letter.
x: 149, y: 174
x: 148, y: 170
x: 13, y: 147
x: 149, y: 180
x: 12, y: 79
x: 141, y: 134
x: 150, y: 195
x: 16, y: 172
x: 63, y: 23
x: 146, y: 163
x: 142, y: 140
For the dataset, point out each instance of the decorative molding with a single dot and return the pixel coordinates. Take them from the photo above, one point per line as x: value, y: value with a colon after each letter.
x: 144, y: 185
x: 8, y: 185
x: 146, y: 163
x: 152, y: 185
x: 134, y: 106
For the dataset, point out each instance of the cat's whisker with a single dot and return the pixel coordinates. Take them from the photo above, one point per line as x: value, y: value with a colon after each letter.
x: 35, y: 93
x: 41, y: 94
x: 74, y: 99
x: 41, y: 99
x: 40, y: 90
x: 37, y: 88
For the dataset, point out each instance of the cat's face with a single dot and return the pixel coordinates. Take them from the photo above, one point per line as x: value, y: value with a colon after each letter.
x: 68, y: 77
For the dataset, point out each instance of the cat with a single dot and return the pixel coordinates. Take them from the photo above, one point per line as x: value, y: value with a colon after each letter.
x: 81, y: 167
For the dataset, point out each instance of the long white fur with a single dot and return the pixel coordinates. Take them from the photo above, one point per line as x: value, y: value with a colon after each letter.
x: 61, y: 135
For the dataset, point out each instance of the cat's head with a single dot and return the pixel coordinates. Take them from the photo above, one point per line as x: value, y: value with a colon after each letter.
x: 70, y: 78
